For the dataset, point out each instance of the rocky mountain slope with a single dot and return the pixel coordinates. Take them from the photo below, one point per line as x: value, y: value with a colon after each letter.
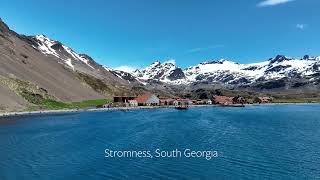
x: 33, y: 67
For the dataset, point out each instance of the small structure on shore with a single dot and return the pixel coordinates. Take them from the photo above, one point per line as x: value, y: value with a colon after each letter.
x: 182, y: 104
x: 179, y: 102
x: 148, y: 99
x: 263, y: 100
x: 200, y: 102
x: 109, y: 105
x: 133, y: 103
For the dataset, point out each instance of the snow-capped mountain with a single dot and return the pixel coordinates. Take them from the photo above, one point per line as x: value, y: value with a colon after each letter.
x: 222, y: 71
x: 77, y: 62
x: 232, y: 73
x: 62, y: 52
x: 166, y: 72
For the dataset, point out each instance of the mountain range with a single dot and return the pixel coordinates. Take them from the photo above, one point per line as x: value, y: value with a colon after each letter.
x: 33, y: 68
x: 232, y: 74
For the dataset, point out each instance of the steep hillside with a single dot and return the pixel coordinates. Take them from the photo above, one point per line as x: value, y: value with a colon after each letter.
x: 52, y: 68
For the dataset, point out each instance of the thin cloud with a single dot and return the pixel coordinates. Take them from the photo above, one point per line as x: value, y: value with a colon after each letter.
x: 172, y: 61
x: 200, y: 49
x: 125, y: 68
x: 301, y: 26
x: 272, y: 2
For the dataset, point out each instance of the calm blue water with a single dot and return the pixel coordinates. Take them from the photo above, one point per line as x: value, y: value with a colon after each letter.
x: 258, y: 142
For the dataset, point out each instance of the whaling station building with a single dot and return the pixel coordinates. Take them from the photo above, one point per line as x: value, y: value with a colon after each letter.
x: 149, y: 99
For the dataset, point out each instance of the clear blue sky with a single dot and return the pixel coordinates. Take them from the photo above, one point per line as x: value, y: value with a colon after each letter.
x: 137, y: 32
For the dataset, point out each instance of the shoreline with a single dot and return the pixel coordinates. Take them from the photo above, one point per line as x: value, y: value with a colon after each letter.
x: 48, y: 112
x: 61, y: 111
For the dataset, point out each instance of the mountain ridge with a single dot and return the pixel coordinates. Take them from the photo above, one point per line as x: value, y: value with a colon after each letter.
x: 221, y: 71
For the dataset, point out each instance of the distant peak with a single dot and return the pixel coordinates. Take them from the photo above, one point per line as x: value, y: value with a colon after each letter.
x: 209, y: 62
x: 136, y: 71
x: 42, y: 37
x: 306, y: 57
x: 280, y: 58
x: 224, y: 60
x: 168, y: 64
x: 155, y: 64
x: 221, y: 61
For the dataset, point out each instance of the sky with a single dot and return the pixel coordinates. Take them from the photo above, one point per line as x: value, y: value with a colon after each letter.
x: 134, y: 33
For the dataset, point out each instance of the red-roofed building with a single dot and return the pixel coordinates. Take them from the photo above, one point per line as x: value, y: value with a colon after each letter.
x: 166, y: 101
x: 222, y: 100
x: 148, y: 99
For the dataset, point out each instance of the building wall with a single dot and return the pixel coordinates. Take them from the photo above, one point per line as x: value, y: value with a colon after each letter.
x: 133, y: 104
x: 153, y: 100
x: 177, y: 103
x: 122, y: 98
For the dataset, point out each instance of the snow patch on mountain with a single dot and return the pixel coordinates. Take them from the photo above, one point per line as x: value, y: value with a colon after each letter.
x: 45, y: 45
x: 68, y: 62
x: 214, y: 68
x: 66, y: 54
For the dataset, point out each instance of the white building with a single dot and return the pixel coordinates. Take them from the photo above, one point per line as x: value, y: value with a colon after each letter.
x: 133, y: 103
